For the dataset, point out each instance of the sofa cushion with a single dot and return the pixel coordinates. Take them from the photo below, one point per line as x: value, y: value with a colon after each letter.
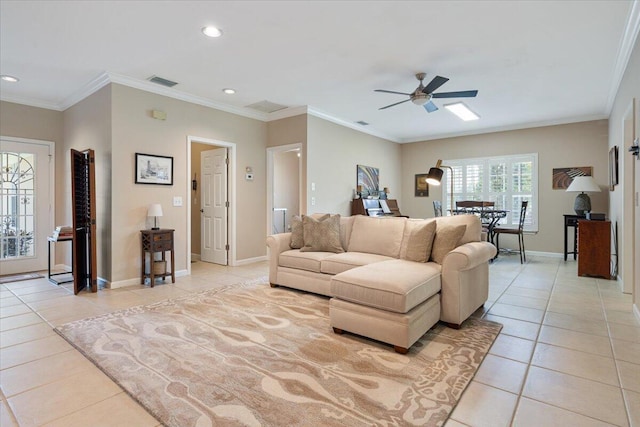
x: 473, y: 232
x: 337, y: 263
x: 446, y: 240
x: 417, y: 240
x: 396, y: 285
x: 321, y: 235
x: 382, y: 236
x: 309, y: 261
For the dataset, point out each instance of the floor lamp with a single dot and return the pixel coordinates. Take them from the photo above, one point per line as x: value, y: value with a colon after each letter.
x: 434, y: 177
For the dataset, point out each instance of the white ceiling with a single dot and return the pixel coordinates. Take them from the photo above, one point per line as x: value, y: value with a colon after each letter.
x: 533, y: 62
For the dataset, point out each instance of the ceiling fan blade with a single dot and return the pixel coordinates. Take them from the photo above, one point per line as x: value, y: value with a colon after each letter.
x: 461, y: 94
x: 435, y: 84
x: 401, y: 102
x: 391, y: 91
x: 430, y: 107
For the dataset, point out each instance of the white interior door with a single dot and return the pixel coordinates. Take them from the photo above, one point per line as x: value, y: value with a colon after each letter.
x: 25, y: 205
x: 214, y: 206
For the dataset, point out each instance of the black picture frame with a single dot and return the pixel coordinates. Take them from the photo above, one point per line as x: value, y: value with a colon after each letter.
x: 421, y: 185
x: 613, y: 167
x: 153, y: 169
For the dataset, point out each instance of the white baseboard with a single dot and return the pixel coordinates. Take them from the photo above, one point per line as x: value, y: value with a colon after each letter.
x: 636, y: 311
x: 64, y: 267
x: 544, y: 254
x: 246, y: 261
x: 136, y: 281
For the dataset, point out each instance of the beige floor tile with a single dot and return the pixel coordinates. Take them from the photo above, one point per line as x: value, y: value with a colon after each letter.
x: 633, y: 403
x: 119, y: 410
x: 626, y: 350
x: 6, y: 416
x: 629, y: 375
x: 68, y: 302
x: 513, y: 348
x: 574, y: 340
x: 522, y: 301
x: 532, y: 283
x: 573, y: 323
x: 516, y: 328
x: 58, y: 399
x: 527, y: 292
x: 453, y: 423
x: 14, y: 310
x: 623, y: 317
x: 502, y: 373
x: 577, y: 310
x: 39, y: 296
x: 577, y: 363
x: 590, y: 398
x: 32, y: 350
x: 25, y: 334
x: 19, y: 321
x: 33, y: 288
x: 519, y: 313
x: 624, y: 332
x: 536, y: 414
x: 43, y: 371
x: 482, y: 405
x: 9, y: 301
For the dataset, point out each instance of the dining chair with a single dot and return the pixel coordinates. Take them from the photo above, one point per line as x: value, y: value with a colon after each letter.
x: 517, y: 231
x: 437, y: 207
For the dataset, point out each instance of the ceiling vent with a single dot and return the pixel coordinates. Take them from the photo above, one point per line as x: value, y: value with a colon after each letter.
x: 362, y: 122
x: 161, y: 81
x: 266, y: 106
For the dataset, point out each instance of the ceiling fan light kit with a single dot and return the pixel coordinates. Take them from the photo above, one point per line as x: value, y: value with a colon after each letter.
x: 423, y: 95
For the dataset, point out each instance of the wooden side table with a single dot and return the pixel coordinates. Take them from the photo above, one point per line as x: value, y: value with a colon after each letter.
x: 594, y: 248
x: 153, y: 241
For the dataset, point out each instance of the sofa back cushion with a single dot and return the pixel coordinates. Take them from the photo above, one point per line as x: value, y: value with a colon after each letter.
x: 447, y: 238
x: 382, y: 236
x: 473, y: 231
x: 321, y: 235
x: 346, y: 226
x: 417, y: 239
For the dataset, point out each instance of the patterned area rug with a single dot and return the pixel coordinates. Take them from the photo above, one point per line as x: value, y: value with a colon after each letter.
x: 19, y: 277
x: 259, y: 356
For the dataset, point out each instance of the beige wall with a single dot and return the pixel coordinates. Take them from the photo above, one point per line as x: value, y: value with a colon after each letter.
x: 622, y: 209
x: 577, y: 144
x: 333, y: 152
x: 87, y: 125
x: 134, y: 130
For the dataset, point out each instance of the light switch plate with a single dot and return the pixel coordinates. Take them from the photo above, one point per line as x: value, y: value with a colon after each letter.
x: 177, y: 201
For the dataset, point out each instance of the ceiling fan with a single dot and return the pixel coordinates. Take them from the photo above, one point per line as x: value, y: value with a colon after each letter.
x: 423, y: 95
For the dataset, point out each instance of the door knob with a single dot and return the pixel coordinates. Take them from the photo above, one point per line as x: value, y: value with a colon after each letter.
x: 202, y: 210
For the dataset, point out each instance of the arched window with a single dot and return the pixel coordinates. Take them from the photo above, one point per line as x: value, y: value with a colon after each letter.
x: 17, y: 199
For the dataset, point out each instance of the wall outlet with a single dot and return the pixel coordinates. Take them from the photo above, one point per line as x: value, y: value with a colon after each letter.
x: 177, y: 201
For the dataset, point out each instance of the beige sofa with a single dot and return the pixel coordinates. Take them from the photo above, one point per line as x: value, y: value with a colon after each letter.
x: 390, y: 279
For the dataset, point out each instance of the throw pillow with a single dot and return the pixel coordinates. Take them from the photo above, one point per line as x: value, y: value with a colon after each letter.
x: 446, y: 240
x: 417, y: 240
x: 297, y: 237
x: 321, y: 235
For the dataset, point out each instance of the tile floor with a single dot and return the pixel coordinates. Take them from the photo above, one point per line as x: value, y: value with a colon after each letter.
x: 568, y: 354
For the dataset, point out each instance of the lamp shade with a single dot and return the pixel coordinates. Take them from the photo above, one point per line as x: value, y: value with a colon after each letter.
x: 584, y: 184
x: 155, y: 210
x: 434, y: 177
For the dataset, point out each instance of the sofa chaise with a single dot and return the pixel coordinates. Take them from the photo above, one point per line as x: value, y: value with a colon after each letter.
x: 390, y: 279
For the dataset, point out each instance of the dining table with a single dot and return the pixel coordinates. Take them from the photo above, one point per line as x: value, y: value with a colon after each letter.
x: 489, y: 217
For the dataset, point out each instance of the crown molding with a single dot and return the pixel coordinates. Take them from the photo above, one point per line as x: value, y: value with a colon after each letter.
x: 370, y: 131
x: 287, y: 112
x: 32, y: 102
x: 88, y: 89
x: 624, y: 52
x: 521, y: 126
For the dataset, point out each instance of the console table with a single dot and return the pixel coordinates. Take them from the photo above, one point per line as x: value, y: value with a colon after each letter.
x: 51, y: 240
x: 594, y: 246
x: 571, y: 221
x: 153, y: 241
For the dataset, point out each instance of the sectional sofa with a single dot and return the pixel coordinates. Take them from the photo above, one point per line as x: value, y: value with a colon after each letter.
x: 390, y: 279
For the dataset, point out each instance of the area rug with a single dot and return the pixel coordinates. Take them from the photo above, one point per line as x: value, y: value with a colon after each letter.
x: 253, y: 355
x: 19, y: 277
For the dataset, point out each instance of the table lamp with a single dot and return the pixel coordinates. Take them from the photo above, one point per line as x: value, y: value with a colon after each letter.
x: 582, y: 184
x: 155, y: 210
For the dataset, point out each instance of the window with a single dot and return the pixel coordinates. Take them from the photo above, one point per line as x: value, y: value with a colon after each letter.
x: 16, y: 205
x: 507, y: 181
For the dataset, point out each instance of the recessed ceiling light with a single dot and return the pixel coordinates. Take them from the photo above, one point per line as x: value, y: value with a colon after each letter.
x: 229, y: 91
x: 8, y: 78
x: 462, y: 111
x: 211, y: 31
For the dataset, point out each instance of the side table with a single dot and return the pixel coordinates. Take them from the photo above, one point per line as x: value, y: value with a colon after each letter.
x: 153, y: 241
x: 50, y: 275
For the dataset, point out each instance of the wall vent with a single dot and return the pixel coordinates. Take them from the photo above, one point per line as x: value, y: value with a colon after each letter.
x: 363, y: 123
x: 161, y: 81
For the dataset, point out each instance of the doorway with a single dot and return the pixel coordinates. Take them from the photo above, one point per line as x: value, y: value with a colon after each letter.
x: 26, y: 204
x: 211, y: 209
x: 284, y: 186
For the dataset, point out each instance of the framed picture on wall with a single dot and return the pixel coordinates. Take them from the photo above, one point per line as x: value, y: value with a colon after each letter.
x: 562, y: 177
x: 368, y: 179
x: 422, y: 187
x: 152, y: 169
x: 613, y: 167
